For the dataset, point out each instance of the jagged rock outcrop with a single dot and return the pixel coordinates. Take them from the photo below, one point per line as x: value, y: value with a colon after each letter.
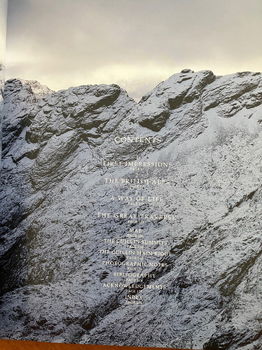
x: 60, y: 149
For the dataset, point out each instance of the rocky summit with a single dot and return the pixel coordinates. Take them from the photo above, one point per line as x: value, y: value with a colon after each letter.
x: 90, y: 177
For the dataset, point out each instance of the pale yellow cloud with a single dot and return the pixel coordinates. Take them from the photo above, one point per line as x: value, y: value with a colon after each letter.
x: 3, y: 15
x: 133, y: 43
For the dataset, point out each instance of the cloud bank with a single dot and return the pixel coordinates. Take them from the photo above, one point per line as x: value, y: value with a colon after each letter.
x: 134, y: 43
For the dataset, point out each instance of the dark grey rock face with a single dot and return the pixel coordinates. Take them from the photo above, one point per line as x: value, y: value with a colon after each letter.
x: 66, y: 205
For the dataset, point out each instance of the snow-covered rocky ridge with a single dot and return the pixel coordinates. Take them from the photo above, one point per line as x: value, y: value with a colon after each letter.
x: 53, y: 186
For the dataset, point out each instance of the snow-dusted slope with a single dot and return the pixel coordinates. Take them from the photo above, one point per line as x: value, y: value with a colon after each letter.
x: 206, y: 147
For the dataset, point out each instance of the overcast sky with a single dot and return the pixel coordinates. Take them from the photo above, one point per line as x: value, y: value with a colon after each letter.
x: 134, y: 43
x: 3, y: 8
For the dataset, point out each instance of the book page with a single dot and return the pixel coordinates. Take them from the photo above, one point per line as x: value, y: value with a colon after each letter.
x: 130, y: 197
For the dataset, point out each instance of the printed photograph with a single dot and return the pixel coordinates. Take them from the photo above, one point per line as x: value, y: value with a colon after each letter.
x: 131, y: 173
